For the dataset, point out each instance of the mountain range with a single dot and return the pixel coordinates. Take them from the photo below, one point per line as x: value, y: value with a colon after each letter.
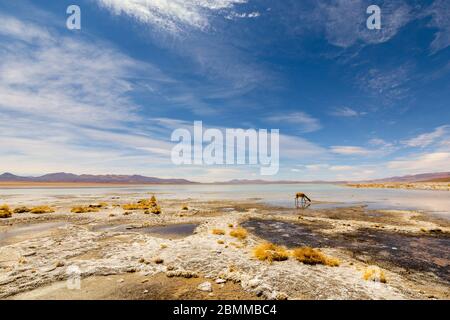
x: 62, y: 177
x: 88, y: 178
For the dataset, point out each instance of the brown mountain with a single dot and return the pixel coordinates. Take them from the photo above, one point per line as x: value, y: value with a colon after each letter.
x: 423, y: 177
x: 87, y: 178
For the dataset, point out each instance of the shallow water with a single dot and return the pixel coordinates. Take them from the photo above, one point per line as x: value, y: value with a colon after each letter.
x: 167, y: 231
x: 32, y: 229
x: 410, y: 252
x: 436, y: 202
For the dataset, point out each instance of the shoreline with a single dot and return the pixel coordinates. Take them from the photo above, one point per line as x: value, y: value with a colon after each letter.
x: 432, y: 186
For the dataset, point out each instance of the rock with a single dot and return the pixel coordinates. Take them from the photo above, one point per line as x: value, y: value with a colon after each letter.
x: 219, y: 281
x: 120, y: 280
x: 182, y: 274
x: 253, y: 283
x: 281, y: 296
x: 158, y: 260
x: 144, y: 281
x: 145, y: 291
x: 60, y: 264
x: 205, y: 286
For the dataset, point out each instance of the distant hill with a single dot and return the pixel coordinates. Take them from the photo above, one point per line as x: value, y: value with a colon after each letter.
x: 423, y: 177
x: 87, y: 178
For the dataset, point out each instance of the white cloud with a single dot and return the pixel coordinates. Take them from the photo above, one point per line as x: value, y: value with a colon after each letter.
x: 351, y: 150
x: 171, y: 15
x: 235, y: 15
x: 430, y: 162
x: 427, y: 139
x: 345, y: 21
x: 304, y: 121
x: 347, y: 112
x: 439, y: 12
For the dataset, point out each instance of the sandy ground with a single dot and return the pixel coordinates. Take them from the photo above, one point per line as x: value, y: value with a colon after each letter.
x: 121, y: 256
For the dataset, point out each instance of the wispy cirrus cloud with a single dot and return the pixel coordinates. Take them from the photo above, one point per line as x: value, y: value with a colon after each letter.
x: 439, y: 11
x: 347, y: 112
x: 344, y: 21
x: 425, y: 139
x: 302, y: 121
x: 351, y: 150
x: 173, y: 15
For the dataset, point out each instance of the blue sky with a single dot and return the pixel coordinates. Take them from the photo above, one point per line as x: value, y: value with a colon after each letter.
x: 350, y: 103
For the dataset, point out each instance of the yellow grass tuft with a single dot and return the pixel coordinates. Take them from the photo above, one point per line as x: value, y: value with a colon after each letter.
x: 84, y: 209
x: 239, y: 233
x: 5, y: 211
x: 220, y: 242
x: 156, y: 210
x: 22, y: 210
x: 270, y: 252
x: 42, y: 209
x: 312, y: 256
x: 143, y: 204
x: 230, y: 225
x: 99, y: 205
x: 373, y: 273
x: 218, y: 232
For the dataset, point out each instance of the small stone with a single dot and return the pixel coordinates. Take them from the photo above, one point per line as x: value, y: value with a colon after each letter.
x: 60, y: 264
x: 205, y: 286
x: 281, y: 296
x: 145, y: 291
x: 158, y: 260
x: 219, y: 281
x: 254, y: 283
x: 170, y: 267
x: 120, y: 280
x: 144, y: 281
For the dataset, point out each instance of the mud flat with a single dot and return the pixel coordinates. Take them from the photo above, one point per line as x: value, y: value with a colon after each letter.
x: 187, y: 251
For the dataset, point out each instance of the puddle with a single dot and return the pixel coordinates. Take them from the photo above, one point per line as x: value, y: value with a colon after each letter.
x: 285, y: 233
x: 32, y: 230
x: 424, y: 253
x: 167, y: 231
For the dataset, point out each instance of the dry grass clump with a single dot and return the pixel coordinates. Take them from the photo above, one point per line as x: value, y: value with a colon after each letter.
x: 22, y: 210
x: 219, y: 232
x: 143, y: 204
x: 239, y: 233
x: 220, y: 242
x: 5, y: 211
x: 270, y: 252
x: 156, y: 210
x: 312, y: 256
x: 41, y: 210
x: 374, y: 273
x: 84, y: 209
x: 100, y: 205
